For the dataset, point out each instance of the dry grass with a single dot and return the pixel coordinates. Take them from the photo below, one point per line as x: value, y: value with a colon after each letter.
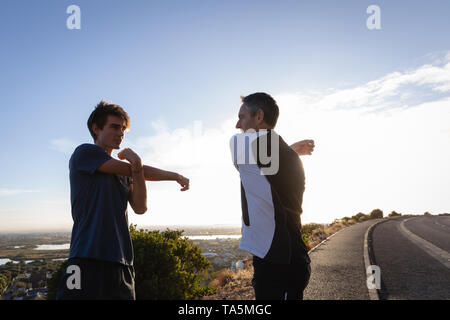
x: 222, y: 279
x: 316, y: 233
x: 236, y: 287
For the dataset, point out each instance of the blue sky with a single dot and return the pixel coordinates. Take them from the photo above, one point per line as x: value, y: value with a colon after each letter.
x: 172, y: 63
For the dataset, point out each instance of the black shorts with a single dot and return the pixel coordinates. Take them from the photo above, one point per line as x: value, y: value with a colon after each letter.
x: 272, y: 281
x: 89, y: 279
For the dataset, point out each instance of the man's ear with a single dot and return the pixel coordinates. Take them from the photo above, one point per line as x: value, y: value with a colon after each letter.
x: 95, y: 128
x: 259, y: 116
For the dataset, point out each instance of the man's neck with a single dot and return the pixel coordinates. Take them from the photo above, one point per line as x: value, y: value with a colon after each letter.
x: 263, y: 127
x: 107, y: 149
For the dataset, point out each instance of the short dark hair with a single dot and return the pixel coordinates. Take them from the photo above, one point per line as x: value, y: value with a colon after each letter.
x: 101, y: 112
x: 261, y: 100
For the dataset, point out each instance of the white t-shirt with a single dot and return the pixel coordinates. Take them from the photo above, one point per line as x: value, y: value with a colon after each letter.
x: 272, y: 185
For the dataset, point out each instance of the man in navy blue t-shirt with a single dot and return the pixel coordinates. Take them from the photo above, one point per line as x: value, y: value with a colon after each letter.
x: 101, y: 252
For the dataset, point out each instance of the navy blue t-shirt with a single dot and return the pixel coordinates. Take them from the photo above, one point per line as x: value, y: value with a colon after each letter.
x: 99, y: 208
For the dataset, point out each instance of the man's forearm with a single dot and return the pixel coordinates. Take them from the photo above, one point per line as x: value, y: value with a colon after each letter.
x: 155, y: 174
x: 139, y: 195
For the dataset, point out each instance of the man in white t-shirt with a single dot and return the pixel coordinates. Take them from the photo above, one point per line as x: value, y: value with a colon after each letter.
x: 272, y: 186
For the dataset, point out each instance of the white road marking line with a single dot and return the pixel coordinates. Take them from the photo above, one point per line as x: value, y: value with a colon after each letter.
x: 373, y: 293
x: 441, y: 225
x: 440, y: 255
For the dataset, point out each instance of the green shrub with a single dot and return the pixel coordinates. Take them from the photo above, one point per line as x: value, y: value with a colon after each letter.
x: 307, y: 229
x: 360, y: 217
x: 53, y: 282
x: 376, y: 214
x: 3, y: 283
x: 168, y: 266
x: 394, y: 214
x: 305, y: 238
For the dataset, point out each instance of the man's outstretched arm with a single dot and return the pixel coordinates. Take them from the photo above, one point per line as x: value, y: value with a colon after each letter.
x: 155, y: 174
x: 123, y: 168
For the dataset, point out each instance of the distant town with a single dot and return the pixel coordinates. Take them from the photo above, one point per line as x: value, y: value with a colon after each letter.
x: 29, y: 261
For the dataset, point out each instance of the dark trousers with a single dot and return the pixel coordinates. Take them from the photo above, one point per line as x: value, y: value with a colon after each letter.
x: 88, y: 279
x: 273, y: 281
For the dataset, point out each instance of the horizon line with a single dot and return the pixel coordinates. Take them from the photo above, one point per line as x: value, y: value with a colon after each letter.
x: 156, y: 226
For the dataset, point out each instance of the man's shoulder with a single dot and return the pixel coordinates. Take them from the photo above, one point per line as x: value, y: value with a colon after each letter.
x: 86, y: 156
x: 86, y: 147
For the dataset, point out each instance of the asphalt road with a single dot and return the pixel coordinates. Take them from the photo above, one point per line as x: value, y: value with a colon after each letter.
x: 414, y: 263
x: 413, y: 254
x: 337, y: 266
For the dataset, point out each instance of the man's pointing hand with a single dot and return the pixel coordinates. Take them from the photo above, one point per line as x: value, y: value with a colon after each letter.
x: 304, y: 147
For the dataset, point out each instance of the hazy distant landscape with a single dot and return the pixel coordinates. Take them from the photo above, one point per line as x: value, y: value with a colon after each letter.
x: 27, y: 247
x: 23, y: 256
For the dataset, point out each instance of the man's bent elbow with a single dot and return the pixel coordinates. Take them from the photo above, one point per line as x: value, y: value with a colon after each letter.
x: 140, y: 210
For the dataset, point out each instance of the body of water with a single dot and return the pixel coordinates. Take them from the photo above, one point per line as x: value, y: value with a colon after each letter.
x: 214, y: 237
x: 5, y: 261
x: 64, y: 246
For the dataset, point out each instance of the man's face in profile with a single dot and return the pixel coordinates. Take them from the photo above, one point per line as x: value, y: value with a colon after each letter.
x: 112, y: 134
x: 246, y: 121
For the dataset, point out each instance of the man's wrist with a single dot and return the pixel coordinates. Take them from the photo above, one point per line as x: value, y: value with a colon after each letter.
x: 137, y: 167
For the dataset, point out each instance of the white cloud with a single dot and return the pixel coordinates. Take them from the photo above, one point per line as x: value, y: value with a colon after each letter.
x: 203, y: 156
x: 397, y: 89
x: 13, y: 192
x: 383, y: 144
x: 395, y: 160
x: 63, y: 145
